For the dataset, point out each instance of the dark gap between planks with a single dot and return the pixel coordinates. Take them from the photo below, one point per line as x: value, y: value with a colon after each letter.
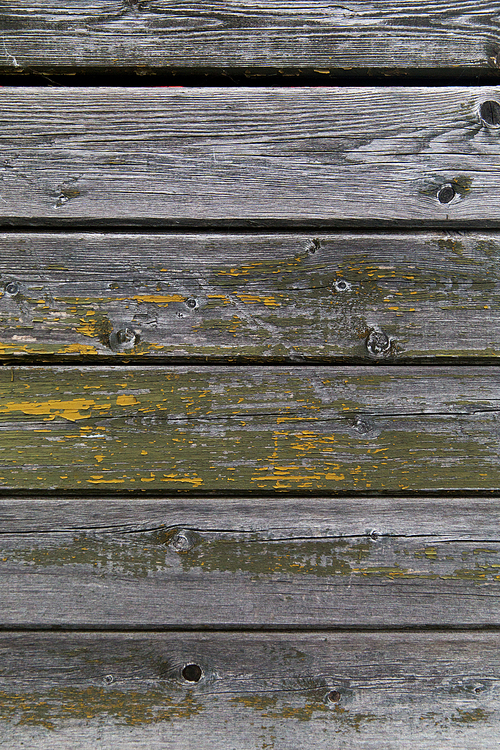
x: 233, y: 77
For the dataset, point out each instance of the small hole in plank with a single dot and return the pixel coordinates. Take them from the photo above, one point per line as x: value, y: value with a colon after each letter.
x: 333, y: 696
x: 490, y: 113
x: 12, y: 288
x: 192, y: 673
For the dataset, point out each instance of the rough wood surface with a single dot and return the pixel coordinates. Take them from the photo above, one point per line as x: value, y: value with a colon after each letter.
x: 199, y: 562
x: 381, y: 429
x: 225, y: 34
x: 280, y: 297
x: 387, y: 690
x: 250, y: 157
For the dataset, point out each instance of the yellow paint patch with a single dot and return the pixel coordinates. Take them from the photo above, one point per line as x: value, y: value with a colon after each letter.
x: 196, y: 481
x: 99, y: 459
x: 70, y: 410
x: 252, y: 299
x: 126, y: 400
x: 78, y: 349
x: 335, y: 477
x: 105, y: 481
x: 163, y: 300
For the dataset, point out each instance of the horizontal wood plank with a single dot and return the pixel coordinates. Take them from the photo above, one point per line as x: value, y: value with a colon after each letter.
x: 227, y: 34
x: 280, y: 297
x: 253, y: 157
x: 381, y: 429
x: 350, y: 562
x: 386, y: 690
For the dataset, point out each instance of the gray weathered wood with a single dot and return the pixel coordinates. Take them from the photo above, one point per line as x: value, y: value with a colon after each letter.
x: 384, y: 691
x: 376, y: 429
x: 227, y: 34
x: 200, y: 562
x: 249, y: 157
x: 258, y: 296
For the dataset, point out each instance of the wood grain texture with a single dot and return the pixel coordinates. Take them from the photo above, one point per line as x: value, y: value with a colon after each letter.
x: 394, y: 690
x: 384, y: 429
x: 249, y: 157
x: 278, y: 297
x: 200, y: 562
x: 316, y: 34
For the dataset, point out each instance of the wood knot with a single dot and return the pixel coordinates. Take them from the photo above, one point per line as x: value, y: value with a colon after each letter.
x: 123, y: 340
x: 489, y: 111
x: 378, y: 344
x: 182, y: 540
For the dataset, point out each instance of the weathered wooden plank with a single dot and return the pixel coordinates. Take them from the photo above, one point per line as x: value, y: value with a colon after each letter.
x: 384, y: 429
x: 249, y: 295
x: 248, y: 157
x: 230, y: 563
x: 385, y: 690
x: 226, y: 34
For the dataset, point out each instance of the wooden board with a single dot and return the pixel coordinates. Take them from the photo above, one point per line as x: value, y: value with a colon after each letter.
x: 258, y: 297
x: 255, y: 429
x: 386, y: 690
x: 227, y: 34
x: 255, y: 157
x: 201, y: 562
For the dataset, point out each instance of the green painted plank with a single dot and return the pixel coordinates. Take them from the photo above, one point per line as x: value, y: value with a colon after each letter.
x: 250, y: 157
x: 225, y: 34
x: 384, y: 429
x: 253, y: 296
x: 275, y: 562
x: 128, y: 691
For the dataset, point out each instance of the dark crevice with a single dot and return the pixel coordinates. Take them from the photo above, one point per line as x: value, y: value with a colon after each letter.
x: 324, y: 494
x: 296, y: 361
x: 152, y: 629
x: 141, y: 76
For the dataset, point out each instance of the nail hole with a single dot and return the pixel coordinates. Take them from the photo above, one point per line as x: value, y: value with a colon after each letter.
x: 446, y: 193
x: 192, y: 673
x: 374, y: 534
x: 333, y: 696
x: 490, y: 113
x: 378, y: 343
x: 108, y: 679
x: 341, y: 285
x: 12, y: 288
x: 192, y: 303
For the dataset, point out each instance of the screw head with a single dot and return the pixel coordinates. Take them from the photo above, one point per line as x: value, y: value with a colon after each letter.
x: 192, y: 303
x: 108, y: 679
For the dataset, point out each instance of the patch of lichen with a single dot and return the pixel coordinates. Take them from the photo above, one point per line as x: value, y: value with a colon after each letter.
x: 276, y: 707
x: 57, y: 706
